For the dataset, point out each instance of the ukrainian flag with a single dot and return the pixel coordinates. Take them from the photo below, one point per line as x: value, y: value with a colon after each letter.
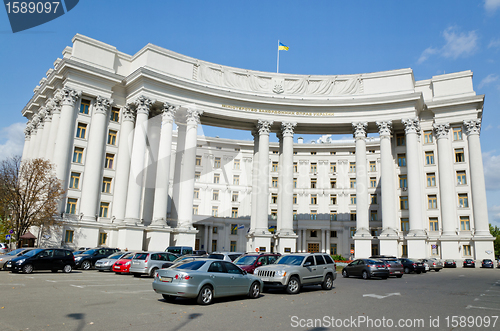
x: 282, y: 47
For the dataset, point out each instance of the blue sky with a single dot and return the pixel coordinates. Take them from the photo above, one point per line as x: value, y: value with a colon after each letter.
x: 325, y: 37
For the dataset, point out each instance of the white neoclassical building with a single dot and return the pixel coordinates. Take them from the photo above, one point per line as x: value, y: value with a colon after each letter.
x: 123, y: 133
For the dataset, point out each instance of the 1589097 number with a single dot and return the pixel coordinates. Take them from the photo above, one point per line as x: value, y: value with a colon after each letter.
x: 471, y: 321
x: 31, y: 7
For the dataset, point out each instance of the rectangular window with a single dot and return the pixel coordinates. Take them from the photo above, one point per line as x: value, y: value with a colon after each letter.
x: 466, y: 249
x: 106, y: 185
x: 214, y: 229
x: 457, y: 133
x: 333, y: 167
x: 459, y: 155
x: 404, y: 250
x: 77, y: 155
x: 431, y: 179
x: 373, y: 166
x: 429, y: 157
x: 214, y: 245
x: 464, y: 223
x: 373, y: 215
x: 353, y: 199
x: 402, y: 160
x: 352, y: 231
x: 403, y: 203
x: 234, y: 213
x: 461, y: 178
x: 295, y: 183
x: 215, y: 211
x: 428, y: 137
x: 313, y: 153
x: 295, y: 198
x: 333, y: 199
x: 197, y: 176
x: 314, y: 234
x: 274, y: 214
x: 333, y: 215
x: 275, y: 182
x: 71, y: 206
x: 295, y: 167
x: 374, y: 199
x: 115, y: 115
x: 313, y: 182
x: 216, y: 178
x: 333, y: 183
x: 333, y: 234
x: 232, y: 247
x: 195, y: 209
x: 274, y: 166
x: 198, y: 160
x: 103, y: 209
x: 74, y: 181
x: 110, y: 160
x: 196, y: 193
x: 215, y: 195
x: 433, y: 224
x: 463, y: 201
x: 352, y: 182
x: 84, y: 107
x: 352, y: 216
x: 352, y: 166
x: 217, y: 162
x: 405, y: 224
x: 112, y: 137
x: 403, y: 181
x: 81, y: 130
x: 314, y: 215
x: 373, y: 182
x: 314, y: 199
x: 400, y: 139
x: 102, y: 238
x: 236, y: 164
x: 68, y: 237
x: 314, y: 168
x: 234, y: 196
x: 294, y: 215
x: 431, y: 202
x: 333, y: 153
x: 333, y: 249
x: 236, y: 180
x: 274, y: 198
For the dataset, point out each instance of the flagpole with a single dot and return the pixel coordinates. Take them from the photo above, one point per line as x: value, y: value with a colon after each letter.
x: 278, y: 65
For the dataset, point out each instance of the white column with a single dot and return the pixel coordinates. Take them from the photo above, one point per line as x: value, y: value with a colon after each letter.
x: 136, y: 177
x: 92, y: 180
x: 210, y: 238
x: 323, y: 240
x: 27, y: 140
x: 39, y: 134
x: 328, y: 241
x: 123, y: 164
x: 304, y: 240
x: 55, y: 109
x: 264, y: 128
x: 299, y: 241
x: 280, y: 188
x: 255, y: 180
x: 46, y: 132
x: 205, y: 237
x: 179, y: 154
x: 32, y: 125
x: 163, y: 167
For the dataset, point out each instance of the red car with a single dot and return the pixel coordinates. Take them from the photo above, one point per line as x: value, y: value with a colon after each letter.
x: 122, y: 266
x: 250, y: 261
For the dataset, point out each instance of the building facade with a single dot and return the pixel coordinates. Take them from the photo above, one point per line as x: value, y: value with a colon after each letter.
x: 123, y: 133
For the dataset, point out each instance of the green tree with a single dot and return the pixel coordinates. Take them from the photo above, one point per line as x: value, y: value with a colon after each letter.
x: 495, y: 232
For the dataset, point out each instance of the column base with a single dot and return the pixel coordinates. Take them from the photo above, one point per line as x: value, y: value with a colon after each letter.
x: 259, y: 242
x: 362, y: 246
x: 159, y: 222
x: 389, y: 245
x: 287, y: 243
x: 157, y: 238
x: 484, y: 247
x: 185, y: 237
x: 416, y: 246
x: 130, y: 237
x: 449, y: 247
x: 132, y: 222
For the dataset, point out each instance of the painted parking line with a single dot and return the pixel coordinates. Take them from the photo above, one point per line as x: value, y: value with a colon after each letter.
x: 127, y: 292
x: 12, y: 284
x: 381, y: 296
x: 108, y: 285
x: 487, y: 308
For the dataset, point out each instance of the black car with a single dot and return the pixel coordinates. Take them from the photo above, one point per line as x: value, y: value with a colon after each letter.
x: 469, y: 263
x: 412, y: 266
x: 43, y: 259
x: 487, y: 263
x: 366, y: 268
x: 88, y: 258
x: 450, y: 264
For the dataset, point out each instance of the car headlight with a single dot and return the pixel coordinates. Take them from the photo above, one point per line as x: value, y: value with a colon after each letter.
x: 128, y: 263
x: 21, y: 261
x: 280, y: 273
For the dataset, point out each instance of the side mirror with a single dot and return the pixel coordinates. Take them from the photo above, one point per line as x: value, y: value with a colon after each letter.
x: 307, y: 264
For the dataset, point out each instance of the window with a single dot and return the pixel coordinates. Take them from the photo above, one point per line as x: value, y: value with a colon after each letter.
x: 353, y: 199
x: 216, y: 178
x: 313, y: 153
x: 295, y: 183
x: 352, y: 182
x: 112, y: 137
x: 81, y: 130
x: 294, y: 198
x: 428, y: 137
x: 314, y: 214
x: 314, y: 199
x: 234, y: 196
x: 404, y: 250
x: 333, y: 167
x: 106, y: 185
x: 275, y: 152
x: 68, y: 237
x: 295, y: 167
x: 463, y: 201
x: 373, y: 182
x: 215, y: 213
x: 77, y: 155
x: 457, y: 133
x: 314, y: 168
x: 115, y: 114
x: 275, y: 182
x: 236, y: 180
x: 459, y: 155
x: 429, y: 157
x: 333, y: 215
x: 274, y: 166
x: 333, y: 199
x: 71, y: 206
x: 405, y: 224
x: 352, y: 216
x: 74, y: 181
x: 196, y: 193
x: 402, y: 160
x: 400, y: 139
x: 433, y: 224
x: 461, y: 179
x: 333, y: 153
x: 274, y: 214
x: 352, y: 231
x: 373, y: 215
x: 333, y: 249
x: 237, y: 149
x: 198, y: 160
x: 313, y: 182
x: 403, y: 203
x: 352, y: 166
x: 466, y: 249
x: 234, y: 213
x: 214, y: 245
x: 274, y: 198
x: 236, y: 164
x: 102, y: 238
x: 110, y: 160
x: 214, y: 229
x: 403, y: 181
x: 373, y: 166
x: 294, y: 215
x: 218, y: 147
x: 215, y: 195
x: 464, y: 223
x: 197, y: 176
x: 431, y: 202
x: 217, y: 162
x: 103, y: 209
x: 333, y: 234
x: 431, y: 179
x: 374, y: 199
x: 84, y: 107
x: 232, y: 247
x: 195, y: 209
x: 333, y: 183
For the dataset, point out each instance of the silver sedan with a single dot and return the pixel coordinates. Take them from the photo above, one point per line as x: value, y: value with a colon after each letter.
x: 205, y: 279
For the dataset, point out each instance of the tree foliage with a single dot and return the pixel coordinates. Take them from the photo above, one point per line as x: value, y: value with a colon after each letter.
x: 495, y: 232
x: 29, y: 194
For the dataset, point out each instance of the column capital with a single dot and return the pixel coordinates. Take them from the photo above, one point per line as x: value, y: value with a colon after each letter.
x: 69, y: 95
x: 412, y: 125
x: 102, y: 105
x: 35, y: 120
x: 143, y: 104
x: 441, y: 130
x: 384, y: 128
x: 264, y: 127
x: 193, y: 115
x: 359, y: 129
x: 128, y: 113
x: 27, y: 130
x: 472, y: 126
x: 287, y: 128
x: 168, y: 112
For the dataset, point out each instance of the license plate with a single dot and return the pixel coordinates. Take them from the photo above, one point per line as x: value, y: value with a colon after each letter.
x: 166, y: 279
x: 380, y: 268
x: 397, y: 272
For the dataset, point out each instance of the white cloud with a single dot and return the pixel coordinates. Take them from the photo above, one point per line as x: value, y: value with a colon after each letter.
x: 13, y: 140
x: 488, y: 127
x: 491, y: 164
x: 491, y: 5
x: 494, y: 43
x: 487, y: 80
x: 494, y: 215
x: 425, y: 54
x: 458, y: 44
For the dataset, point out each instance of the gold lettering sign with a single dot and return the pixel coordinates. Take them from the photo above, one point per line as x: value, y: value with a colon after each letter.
x: 277, y: 112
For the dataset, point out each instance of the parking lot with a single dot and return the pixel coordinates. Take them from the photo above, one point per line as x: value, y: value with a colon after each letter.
x: 92, y: 300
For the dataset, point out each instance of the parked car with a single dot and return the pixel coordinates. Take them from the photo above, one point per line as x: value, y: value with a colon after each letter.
x: 226, y: 256
x: 200, y: 252
x: 146, y: 263
x: 179, y: 250
x: 469, y: 263
x: 487, y: 263
x: 4, y: 248
x: 250, y: 261
x: 183, y: 258
x: 450, y: 264
x: 106, y: 264
x: 392, y: 263
x: 412, y: 266
x: 122, y: 266
x: 434, y: 264
x: 43, y: 259
x: 87, y: 259
x: 205, y: 279
x: 292, y: 271
x: 366, y: 268
x: 10, y: 255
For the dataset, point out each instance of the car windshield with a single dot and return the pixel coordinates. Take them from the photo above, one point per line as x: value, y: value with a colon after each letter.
x: 115, y: 256
x: 15, y: 252
x: 291, y: 259
x: 89, y: 252
x: 216, y: 256
x: 33, y: 252
x: 193, y: 265
x: 245, y: 260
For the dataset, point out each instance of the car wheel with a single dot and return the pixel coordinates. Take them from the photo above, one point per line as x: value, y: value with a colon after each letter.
x: 407, y: 270
x: 86, y: 265
x: 399, y: 276
x: 327, y: 283
x: 437, y: 270
x: 345, y: 274
x: 254, y: 290
x: 169, y: 298
x: 293, y: 286
x: 206, y: 295
x: 5, y: 266
x: 28, y: 268
x: 153, y: 272
x: 67, y: 269
x: 365, y: 275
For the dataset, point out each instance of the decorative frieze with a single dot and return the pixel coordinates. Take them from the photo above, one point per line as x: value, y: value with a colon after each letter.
x: 412, y: 125
x: 359, y: 130
x: 264, y: 127
x: 441, y: 130
x: 384, y: 128
x: 472, y: 126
